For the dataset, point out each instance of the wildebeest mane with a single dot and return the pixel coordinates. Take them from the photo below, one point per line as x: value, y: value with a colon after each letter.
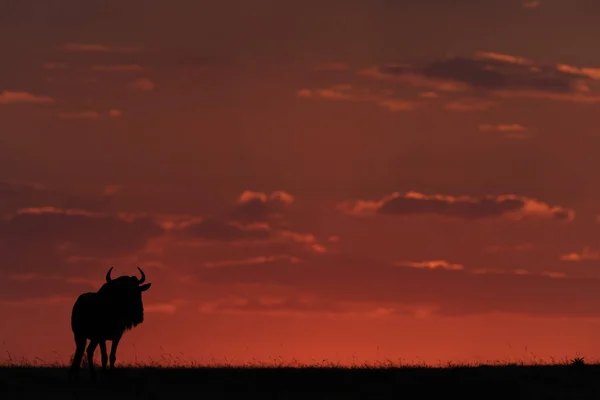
x: 115, y: 294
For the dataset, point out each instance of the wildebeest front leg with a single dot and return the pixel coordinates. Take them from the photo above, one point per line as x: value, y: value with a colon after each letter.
x: 113, y: 351
x: 103, y: 354
x: 90, y: 356
x: 80, y: 342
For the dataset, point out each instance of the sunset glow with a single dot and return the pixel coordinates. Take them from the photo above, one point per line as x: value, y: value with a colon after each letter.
x: 337, y: 180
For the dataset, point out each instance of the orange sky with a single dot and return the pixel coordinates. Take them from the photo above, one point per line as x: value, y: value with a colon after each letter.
x: 340, y: 179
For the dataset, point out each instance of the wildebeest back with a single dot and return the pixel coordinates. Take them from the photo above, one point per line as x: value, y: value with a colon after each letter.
x: 96, y: 317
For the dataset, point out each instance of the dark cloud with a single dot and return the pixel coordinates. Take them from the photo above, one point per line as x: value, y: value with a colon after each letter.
x: 13, y: 189
x: 511, y: 206
x: 496, y: 73
x: 256, y: 217
x: 16, y: 288
x: 213, y: 229
x: 480, y: 208
x: 458, y: 292
x: 41, y: 238
x: 16, y: 195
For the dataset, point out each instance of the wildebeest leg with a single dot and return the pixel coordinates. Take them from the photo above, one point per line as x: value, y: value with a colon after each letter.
x: 104, y: 354
x: 90, y: 356
x: 113, y: 351
x: 80, y: 342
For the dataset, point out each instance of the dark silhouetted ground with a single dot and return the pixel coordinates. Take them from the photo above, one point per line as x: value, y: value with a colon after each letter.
x: 483, y: 382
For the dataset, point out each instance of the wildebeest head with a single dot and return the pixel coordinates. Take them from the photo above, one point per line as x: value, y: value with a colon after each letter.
x: 126, y: 292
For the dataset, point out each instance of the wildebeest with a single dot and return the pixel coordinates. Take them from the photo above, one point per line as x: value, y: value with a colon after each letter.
x: 105, y: 315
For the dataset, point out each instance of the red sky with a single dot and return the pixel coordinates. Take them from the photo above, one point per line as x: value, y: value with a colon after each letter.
x: 341, y: 179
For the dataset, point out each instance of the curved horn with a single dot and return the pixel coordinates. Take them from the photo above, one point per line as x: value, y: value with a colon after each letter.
x: 143, y: 278
x: 108, y: 278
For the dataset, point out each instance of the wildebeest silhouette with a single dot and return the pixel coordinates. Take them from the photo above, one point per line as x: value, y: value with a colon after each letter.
x: 105, y: 315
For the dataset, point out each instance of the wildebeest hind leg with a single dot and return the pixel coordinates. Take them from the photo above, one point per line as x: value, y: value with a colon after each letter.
x: 80, y: 342
x: 90, y: 357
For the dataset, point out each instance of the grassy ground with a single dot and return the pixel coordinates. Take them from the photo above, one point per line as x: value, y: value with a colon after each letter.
x: 560, y: 381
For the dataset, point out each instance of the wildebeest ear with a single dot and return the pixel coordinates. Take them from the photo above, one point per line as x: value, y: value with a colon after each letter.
x: 145, y: 287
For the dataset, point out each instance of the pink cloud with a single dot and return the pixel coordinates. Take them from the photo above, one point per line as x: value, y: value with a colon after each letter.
x: 469, y: 105
x: 509, y: 131
x: 350, y: 93
x: 115, y: 113
x: 95, y: 47
x: 505, y: 58
x: 433, y: 264
x: 331, y: 66
x: 585, y: 255
x: 80, y: 115
x: 142, y: 85
x: 54, y: 65
x: 531, y: 4
x: 8, y: 97
x: 116, y: 68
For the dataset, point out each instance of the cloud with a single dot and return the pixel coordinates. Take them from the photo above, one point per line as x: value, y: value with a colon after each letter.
x: 258, y: 220
x: 302, y: 305
x: 429, y: 95
x: 450, y: 292
x: 11, y: 188
x: 332, y: 66
x: 530, y: 4
x: 89, y: 114
x: 145, y: 85
x: 36, y: 301
x: 502, y: 128
x: 213, y: 229
x: 496, y: 75
x: 250, y: 261
x: 80, y: 115
x: 95, y: 47
x: 256, y: 206
x: 54, y: 65
x: 554, y: 275
x: 39, y: 288
x: 350, y: 93
x: 170, y: 307
x: 18, y: 194
x: 504, y: 58
x: 585, y: 255
x: 114, y: 113
x: 469, y: 105
x: 116, y: 68
x: 593, y: 73
x: 269, y: 305
x: 8, y: 97
x: 411, y: 203
x: 442, y: 264
x: 504, y: 249
x: 37, y: 238
x: 509, y: 131
x: 111, y: 189
x: 53, y: 279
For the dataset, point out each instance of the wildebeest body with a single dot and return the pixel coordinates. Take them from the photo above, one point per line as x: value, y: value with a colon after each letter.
x: 96, y: 318
x: 105, y: 315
